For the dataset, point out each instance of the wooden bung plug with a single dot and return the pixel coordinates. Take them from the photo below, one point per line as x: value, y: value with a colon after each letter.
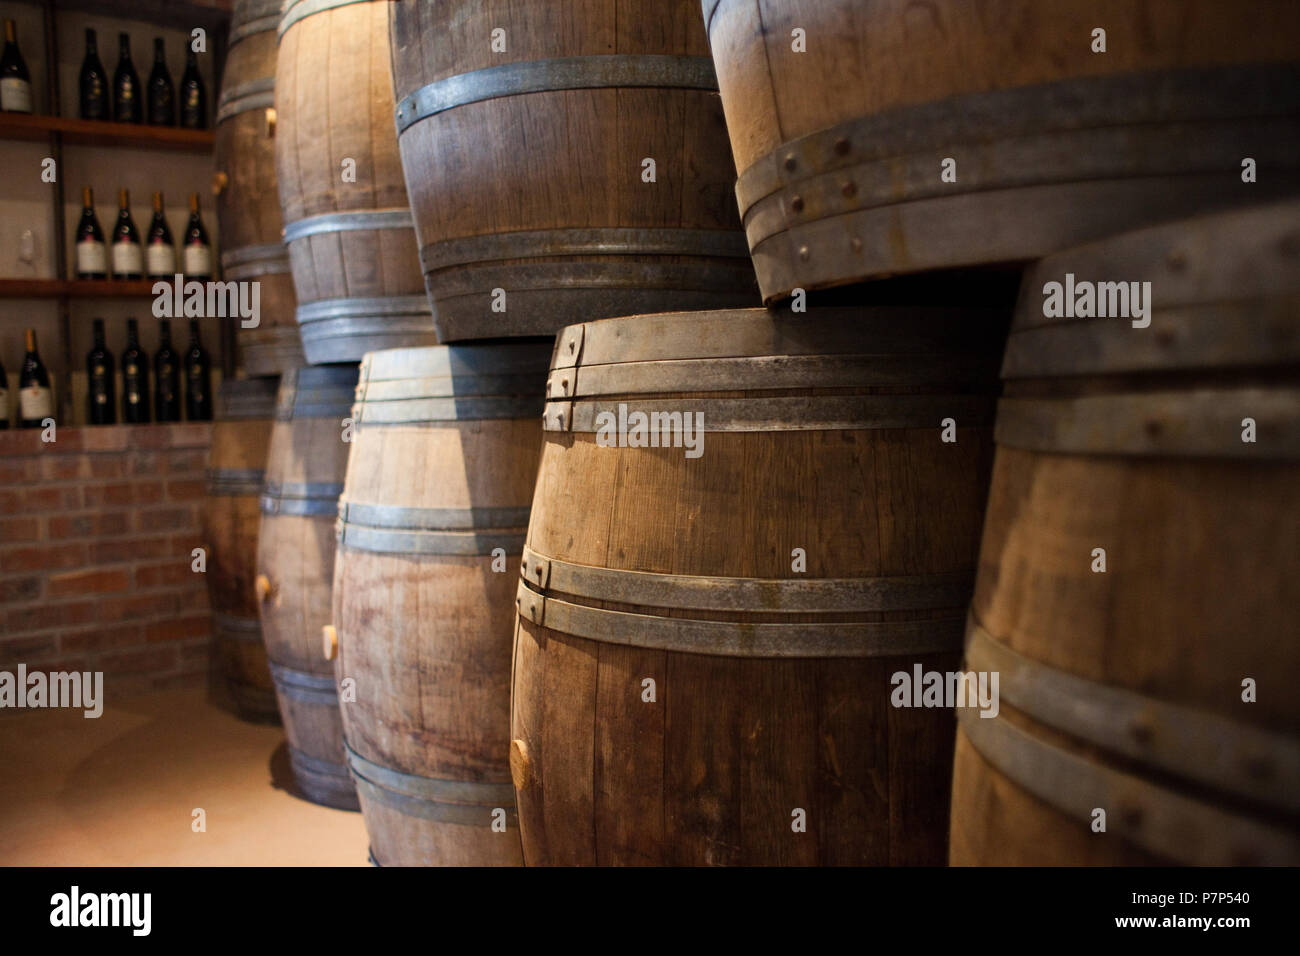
x: 329, y: 641
x: 521, y: 767
x: 219, y: 183
x: 263, y: 587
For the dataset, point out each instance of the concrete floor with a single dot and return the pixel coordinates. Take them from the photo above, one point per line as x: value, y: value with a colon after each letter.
x: 120, y: 790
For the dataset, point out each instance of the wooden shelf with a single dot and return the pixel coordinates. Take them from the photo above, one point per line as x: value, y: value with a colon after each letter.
x: 180, y: 14
x: 75, y: 289
x: 99, y: 133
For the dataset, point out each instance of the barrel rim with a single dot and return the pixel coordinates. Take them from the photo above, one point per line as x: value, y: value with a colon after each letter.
x: 556, y: 74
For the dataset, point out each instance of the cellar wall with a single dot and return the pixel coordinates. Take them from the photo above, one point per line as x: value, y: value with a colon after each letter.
x: 96, y: 544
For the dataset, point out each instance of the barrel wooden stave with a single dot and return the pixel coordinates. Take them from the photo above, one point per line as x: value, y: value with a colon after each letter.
x: 306, y: 463
x: 893, y: 62
x: 334, y: 101
x: 427, y: 635
x: 1196, y: 595
x: 712, y: 772
x: 540, y: 142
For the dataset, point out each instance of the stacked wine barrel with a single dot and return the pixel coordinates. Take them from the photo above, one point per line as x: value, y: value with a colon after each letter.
x: 347, y: 220
x: 295, y: 565
x: 608, y: 189
x: 696, y: 592
x: 248, y: 210
x: 1136, y: 584
x: 706, y: 642
x: 236, y: 471
x: 430, y: 531
x: 901, y: 137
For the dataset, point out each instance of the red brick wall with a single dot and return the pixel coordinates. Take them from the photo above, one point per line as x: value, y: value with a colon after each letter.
x: 96, y: 531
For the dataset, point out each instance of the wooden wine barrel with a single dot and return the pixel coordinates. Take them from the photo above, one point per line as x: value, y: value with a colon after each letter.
x: 431, y: 525
x: 241, y: 433
x: 705, y: 645
x: 1125, y: 690
x: 561, y: 224
x: 348, y: 223
x: 295, y: 561
x: 843, y: 115
x: 248, y: 209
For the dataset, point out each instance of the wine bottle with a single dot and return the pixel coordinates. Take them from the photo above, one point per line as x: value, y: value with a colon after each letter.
x: 93, y: 82
x: 35, y: 397
x: 198, y: 379
x: 135, y: 378
x: 126, y: 86
x: 198, y: 251
x: 162, y: 95
x: 160, y: 248
x: 15, y: 81
x: 99, y: 373
x: 128, y: 254
x: 167, y: 385
x: 4, y: 399
x: 92, y: 254
x: 194, y: 98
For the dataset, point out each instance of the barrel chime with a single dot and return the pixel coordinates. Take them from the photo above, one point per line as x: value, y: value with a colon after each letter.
x: 553, y: 648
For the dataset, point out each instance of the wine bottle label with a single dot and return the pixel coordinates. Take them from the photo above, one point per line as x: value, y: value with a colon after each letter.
x: 15, y: 95
x: 37, y: 402
x: 128, y: 259
x: 91, y: 257
x: 162, y: 259
x: 133, y: 397
x: 198, y: 260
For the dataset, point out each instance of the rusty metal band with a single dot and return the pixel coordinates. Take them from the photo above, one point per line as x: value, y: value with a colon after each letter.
x: 235, y: 483
x: 377, y: 307
x: 295, y: 10
x: 302, y: 762
x: 545, y: 296
x: 433, y: 410
x: 256, y: 95
x: 571, y: 276
x: 441, y: 801
x: 316, y: 397
x: 789, y: 413
x: 1195, y: 264
x: 432, y: 519
x: 246, y: 399
x: 247, y: 630
x: 594, y: 241
x: 271, y: 351
x: 247, y: 262
x: 757, y: 595
x: 253, y: 16
x: 769, y: 372
x: 357, y: 220
x: 1018, y: 198
x: 1157, y: 819
x: 1072, y: 129
x: 1217, y: 335
x: 1225, y: 754
x: 740, y: 639
x: 554, y: 75
x: 305, y: 687
x: 740, y: 333
x: 309, y: 499
x: 1201, y: 422
x: 451, y: 387
x: 465, y: 544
